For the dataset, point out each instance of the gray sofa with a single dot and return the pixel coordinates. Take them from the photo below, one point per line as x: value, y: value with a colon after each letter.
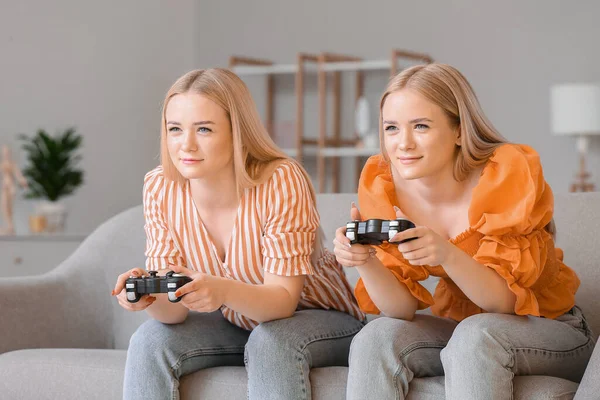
x: 62, y: 336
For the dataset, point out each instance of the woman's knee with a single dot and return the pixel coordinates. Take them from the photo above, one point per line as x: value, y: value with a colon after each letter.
x: 477, y: 332
x: 296, y: 334
x: 381, y: 334
x: 271, y: 338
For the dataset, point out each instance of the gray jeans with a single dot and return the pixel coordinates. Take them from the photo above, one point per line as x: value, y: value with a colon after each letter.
x: 278, y: 355
x: 478, y: 356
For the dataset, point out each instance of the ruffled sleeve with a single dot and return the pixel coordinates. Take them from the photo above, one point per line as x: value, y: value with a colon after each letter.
x: 511, y: 207
x: 376, y: 197
x: 291, y: 223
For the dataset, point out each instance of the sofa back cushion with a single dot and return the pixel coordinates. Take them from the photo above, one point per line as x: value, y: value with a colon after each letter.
x: 577, y: 218
x: 119, y: 245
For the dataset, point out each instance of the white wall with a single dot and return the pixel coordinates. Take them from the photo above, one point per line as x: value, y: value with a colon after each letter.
x: 103, y: 67
x: 511, y: 51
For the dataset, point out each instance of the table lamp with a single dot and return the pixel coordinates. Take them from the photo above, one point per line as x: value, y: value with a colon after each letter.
x: 575, y: 110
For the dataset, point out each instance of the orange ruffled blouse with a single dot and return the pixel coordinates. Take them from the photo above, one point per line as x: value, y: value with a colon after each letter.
x: 510, y: 207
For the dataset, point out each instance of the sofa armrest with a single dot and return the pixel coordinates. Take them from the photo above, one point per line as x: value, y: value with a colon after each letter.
x: 52, y: 311
x: 589, y: 388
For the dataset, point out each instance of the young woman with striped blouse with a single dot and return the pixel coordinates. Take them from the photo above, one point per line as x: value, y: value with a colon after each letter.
x: 229, y: 209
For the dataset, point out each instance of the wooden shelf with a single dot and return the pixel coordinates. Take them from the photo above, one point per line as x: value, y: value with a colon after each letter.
x: 357, y: 66
x: 275, y: 69
x: 290, y: 69
x: 349, y: 151
x: 334, y: 151
x: 328, y: 146
x: 293, y: 152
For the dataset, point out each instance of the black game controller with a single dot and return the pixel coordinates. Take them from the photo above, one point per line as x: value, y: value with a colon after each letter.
x: 376, y: 231
x: 137, y: 287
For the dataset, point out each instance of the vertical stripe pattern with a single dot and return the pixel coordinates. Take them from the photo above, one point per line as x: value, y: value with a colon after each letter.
x: 274, y: 231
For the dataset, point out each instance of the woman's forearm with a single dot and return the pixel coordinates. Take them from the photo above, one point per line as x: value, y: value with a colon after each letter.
x: 166, y: 312
x: 390, y: 296
x: 262, y: 303
x: 482, y: 285
x: 258, y: 302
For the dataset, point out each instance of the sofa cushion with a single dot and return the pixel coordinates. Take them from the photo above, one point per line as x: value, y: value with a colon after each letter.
x: 577, y: 217
x: 525, y: 388
x: 65, y: 374
x: 543, y: 387
x: 330, y: 383
x: 231, y: 383
x: 98, y: 374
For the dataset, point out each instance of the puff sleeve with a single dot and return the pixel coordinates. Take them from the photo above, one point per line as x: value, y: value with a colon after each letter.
x: 511, y: 207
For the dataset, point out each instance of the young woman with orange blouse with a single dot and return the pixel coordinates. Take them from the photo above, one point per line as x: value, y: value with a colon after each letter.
x: 505, y: 301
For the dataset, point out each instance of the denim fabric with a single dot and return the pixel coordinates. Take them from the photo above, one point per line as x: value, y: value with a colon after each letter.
x: 478, y: 356
x: 278, y: 355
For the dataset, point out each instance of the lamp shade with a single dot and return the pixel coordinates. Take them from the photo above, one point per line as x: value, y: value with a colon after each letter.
x: 575, y: 109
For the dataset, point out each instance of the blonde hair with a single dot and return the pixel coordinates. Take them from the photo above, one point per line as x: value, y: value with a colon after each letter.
x: 255, y: 155
x: 446, y: 87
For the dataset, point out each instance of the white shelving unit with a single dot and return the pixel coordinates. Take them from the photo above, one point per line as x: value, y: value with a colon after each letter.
x: 313, y: 151
x: 328, y: 147
x: 292, y: 152
x: 349, y: 151
x: 275, y: 69
x: 283, y: 69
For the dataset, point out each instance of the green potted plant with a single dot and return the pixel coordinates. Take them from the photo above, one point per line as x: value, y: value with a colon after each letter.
x: 51, y: 172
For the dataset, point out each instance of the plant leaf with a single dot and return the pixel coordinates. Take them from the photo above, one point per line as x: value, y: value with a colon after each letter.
x: 51, y: 169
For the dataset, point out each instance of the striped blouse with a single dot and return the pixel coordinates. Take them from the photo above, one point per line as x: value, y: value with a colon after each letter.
x: 274, y: 231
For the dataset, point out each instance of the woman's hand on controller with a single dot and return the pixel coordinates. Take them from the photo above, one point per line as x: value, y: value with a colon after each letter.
x: 205, y: 293
x: 351, y: 255
x: 119, y: 291
x: 428, y: 248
